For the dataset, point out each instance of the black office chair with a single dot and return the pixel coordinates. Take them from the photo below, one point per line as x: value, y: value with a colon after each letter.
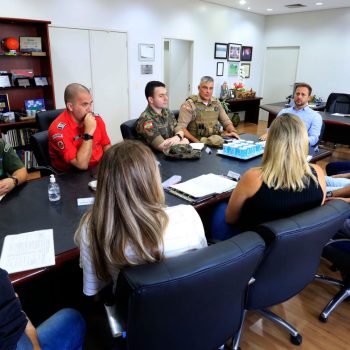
x: 193, y: 301
x: 128, y: 129
x: 39, y: 143
x: 45, y: 118
x: 338, y: 252
x: 338, y: 103
x: 294, y: 248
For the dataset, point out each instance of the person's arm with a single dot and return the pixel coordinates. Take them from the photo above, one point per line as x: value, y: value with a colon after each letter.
x: 344, y: 176
x: 229, y: 129
x: 247, y: 186
x: 186, y: 114
x: 321, y: 180
x: 30, y: 331
x: 8, y: 184
x: 315, y: 128
x: 342, y: 193
x: 82, y: 159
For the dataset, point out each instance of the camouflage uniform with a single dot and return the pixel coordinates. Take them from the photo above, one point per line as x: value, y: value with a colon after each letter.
x: 9, y: 161
x: 201, y: 119
x: 154, y: 128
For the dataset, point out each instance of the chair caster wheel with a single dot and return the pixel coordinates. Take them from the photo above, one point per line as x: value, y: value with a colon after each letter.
x: 322, y: 318
x: 297, y: 340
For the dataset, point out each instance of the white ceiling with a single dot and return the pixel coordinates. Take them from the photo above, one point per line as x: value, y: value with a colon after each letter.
x: 278, y: 6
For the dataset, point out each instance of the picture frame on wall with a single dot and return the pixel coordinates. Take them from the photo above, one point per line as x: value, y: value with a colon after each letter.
x: 246, y: 53
x: 245, y: 68
x: 220, y: 69
x: 220, y: 51
x: 233, y: 69
x: 146, y: 52
x: 234, y: 52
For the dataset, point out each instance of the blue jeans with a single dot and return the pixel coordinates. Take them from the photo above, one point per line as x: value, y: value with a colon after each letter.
x: 220, y: 230
x: 65, y: 330
x: 335, y: 168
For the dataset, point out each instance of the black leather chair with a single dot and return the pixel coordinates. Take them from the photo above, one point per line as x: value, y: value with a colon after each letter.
x: 45, y: 118
x: 338, y: 103
x: 294, y: 248
x: 338, y: 252
x: 193, y: 301
x: 39, y: 143
x: 128, y: 129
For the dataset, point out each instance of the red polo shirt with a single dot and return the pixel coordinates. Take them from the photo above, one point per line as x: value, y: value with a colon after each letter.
x: 65, y: 138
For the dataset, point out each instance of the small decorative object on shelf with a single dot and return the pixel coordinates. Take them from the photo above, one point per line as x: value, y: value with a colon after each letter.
x: 235, y: 119
x: 224, y: 93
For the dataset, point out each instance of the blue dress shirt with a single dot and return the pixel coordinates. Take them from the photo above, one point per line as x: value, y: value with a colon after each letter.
x: 311, y: 119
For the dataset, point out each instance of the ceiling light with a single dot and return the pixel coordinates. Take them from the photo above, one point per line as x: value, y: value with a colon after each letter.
x: 248, y: 8
x: 319, y: 3
x: 268, y: 9
x: 242, y: 2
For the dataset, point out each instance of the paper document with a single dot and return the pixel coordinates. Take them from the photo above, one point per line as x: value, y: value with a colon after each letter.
x: 341, y: 115
x: 205, y: 185
x: 198, y: 145
x: 27, y: 251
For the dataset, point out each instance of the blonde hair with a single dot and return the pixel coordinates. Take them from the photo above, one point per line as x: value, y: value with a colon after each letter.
x: 284, y: 164
x: 128, y: 209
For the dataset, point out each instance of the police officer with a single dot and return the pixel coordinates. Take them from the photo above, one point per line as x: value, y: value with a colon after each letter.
x: 12, y: 170
x: 157, y: 125
x: 202, y: 115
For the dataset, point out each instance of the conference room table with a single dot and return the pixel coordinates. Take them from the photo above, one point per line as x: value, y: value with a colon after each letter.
x: 27, y: 208
x: 337, y: 127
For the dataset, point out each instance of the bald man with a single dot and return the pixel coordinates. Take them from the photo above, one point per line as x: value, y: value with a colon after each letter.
x: 77, y: 137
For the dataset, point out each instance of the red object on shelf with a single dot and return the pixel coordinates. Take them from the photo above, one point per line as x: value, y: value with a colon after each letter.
x: 11, y: 43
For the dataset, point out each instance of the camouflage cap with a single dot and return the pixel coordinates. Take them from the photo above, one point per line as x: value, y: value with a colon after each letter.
x: 182, y: 152
x: 213, y: 140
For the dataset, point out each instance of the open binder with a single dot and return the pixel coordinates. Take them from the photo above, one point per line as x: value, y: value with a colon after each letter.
x: 202, y: 187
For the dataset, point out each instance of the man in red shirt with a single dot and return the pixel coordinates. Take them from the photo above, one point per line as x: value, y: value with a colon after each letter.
x: 77, y: 137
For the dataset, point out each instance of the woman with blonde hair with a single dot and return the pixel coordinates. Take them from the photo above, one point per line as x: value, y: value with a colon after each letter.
x: 285, y: 183
x: 129, y: 223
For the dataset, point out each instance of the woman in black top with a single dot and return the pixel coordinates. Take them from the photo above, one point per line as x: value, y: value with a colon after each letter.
x: 285, y: 183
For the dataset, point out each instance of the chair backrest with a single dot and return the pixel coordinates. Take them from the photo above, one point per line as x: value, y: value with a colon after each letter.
x: 294, y: 249
x: 39, y: 143
x: 176, y: 113
x: 193, y: 301
x: 128, y: 129
x: 338, y: 103
x: 45, y: 118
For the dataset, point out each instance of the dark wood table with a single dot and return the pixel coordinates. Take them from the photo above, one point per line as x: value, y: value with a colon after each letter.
x: 27, y: 207
x: 249, y: 105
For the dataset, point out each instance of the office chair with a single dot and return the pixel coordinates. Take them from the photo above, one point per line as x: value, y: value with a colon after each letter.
x: 294, y: 248
x: 45, y: 118
x: 39, y: 143
x: 338, y: 103
x: 192, y: 301
x: 338, y: 252
x: 128, y: 129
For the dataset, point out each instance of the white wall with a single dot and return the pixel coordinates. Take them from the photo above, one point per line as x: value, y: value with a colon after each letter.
x: 324, y: 40
x: 149, y: 21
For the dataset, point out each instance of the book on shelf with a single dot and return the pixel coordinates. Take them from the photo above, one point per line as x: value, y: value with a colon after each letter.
x: 18, y: 137
x: 202, y: 187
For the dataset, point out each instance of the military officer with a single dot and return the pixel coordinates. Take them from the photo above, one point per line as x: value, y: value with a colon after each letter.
x: 202, y: 115
x: 157, y: 125
x: 12, y: 170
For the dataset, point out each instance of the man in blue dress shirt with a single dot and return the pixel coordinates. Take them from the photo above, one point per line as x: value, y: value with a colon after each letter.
x: 311, y: 119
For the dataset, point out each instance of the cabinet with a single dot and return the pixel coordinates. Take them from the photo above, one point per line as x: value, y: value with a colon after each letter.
x: 17, y: 132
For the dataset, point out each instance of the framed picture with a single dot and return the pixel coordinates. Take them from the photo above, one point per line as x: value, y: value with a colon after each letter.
x: 36, y: 104
x: 5, y: 80
x: 220, y: 51
x: 30, y: 44
x: 146, y: 69
x: 234, y: 52
x: 220, y: 69
x: 146, y: 52
x: 4, y: 103
x: 233, y: 69
x: 247, y: 53
x: 245, y: 67
x: 40, y: 81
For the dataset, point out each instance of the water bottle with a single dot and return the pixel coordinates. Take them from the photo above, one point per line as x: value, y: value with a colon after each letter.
x: 54, y: 190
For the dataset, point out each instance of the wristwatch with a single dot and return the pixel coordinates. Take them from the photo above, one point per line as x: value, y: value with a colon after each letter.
x: 15, y: 180
x: 87, y: 137
x: 329, y: 194
x: 179, y: 136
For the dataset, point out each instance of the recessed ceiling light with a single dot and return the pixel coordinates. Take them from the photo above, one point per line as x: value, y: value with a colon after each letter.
x: 248, y: 8
x: 242, y: 2
x: 319, y: 3
x: 268, y: 9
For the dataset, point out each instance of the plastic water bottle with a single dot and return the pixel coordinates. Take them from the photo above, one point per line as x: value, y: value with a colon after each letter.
x: 54, y: 190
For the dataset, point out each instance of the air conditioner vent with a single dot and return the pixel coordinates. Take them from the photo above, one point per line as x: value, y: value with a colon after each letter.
x: 295, y: 6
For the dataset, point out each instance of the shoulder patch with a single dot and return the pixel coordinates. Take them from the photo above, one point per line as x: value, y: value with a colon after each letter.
x: 61, y: 125
x: 60, y: 144
x: 7, y: 147
x: 56, y: 136
x: 148, y: 125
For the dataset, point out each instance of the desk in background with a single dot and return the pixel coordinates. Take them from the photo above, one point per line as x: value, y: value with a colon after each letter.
x: 27, y: 208
x: 249, y: 105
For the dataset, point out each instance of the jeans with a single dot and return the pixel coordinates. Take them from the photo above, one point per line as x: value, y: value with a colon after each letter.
x: 335, y: 183
x: 65, y: 330
x: 335, y: 168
